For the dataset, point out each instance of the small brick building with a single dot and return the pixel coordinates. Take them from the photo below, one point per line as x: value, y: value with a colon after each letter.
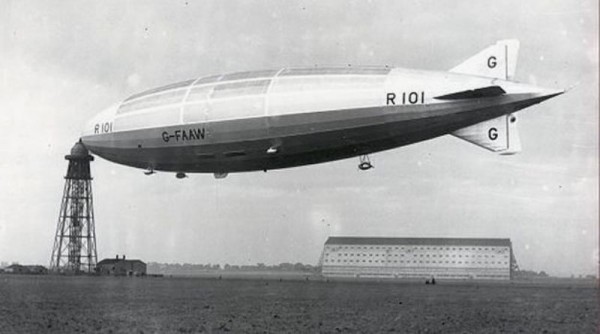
x: 28, y: 270
x: 121, y: 267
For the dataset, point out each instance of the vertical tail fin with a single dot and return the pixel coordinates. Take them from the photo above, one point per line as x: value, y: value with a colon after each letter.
x: 497, y: 135
x: 496, y: 61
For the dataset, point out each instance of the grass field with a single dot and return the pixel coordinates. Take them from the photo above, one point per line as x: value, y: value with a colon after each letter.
x: 38, y: 304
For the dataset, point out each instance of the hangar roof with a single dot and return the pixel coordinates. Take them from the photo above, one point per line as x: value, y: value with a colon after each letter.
x: 113, y: 261
x: 418, y: 241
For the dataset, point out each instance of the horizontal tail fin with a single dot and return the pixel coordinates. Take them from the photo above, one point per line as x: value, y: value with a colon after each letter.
x: 497, y: 135
x: 496, y: 61
x: 491, y: 91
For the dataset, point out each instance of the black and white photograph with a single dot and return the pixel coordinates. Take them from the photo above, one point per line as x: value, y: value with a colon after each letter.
x: 377, y: 166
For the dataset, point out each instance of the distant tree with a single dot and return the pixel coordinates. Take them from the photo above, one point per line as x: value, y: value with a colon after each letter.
x: 216, y: 266
x: 286, y: 266
x: 530, y: 274
x: 227, y: 266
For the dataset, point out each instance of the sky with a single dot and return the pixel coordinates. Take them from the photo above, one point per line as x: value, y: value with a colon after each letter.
x: 61, y: 62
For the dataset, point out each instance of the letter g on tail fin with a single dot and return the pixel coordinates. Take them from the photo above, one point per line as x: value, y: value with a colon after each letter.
x: 497, y: 135
x: 497, y: 61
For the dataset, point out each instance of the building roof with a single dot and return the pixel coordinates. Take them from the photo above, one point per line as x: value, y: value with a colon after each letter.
x: 418, y: 241
x: 35, y: 266
x: 27, y: 267
x: 113, y: 261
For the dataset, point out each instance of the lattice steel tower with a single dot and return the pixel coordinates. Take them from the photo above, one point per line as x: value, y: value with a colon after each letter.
x: 74, y: 250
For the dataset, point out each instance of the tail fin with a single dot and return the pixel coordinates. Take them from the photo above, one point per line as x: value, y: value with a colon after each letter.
x: 497, y: 135
x: 496, y: 61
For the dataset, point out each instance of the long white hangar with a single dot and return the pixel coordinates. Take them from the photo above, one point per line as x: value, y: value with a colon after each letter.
x: 441, y: 258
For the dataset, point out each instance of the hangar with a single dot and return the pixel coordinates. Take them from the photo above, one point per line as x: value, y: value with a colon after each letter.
x: 442, y: 258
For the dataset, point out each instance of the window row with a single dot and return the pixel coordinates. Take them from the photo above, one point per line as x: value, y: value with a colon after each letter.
x: 415, y: 248
x: 414, y: 261
x: 414, y: 255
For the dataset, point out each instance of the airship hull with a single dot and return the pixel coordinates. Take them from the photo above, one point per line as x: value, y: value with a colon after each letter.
x: 297, y: 116
x: 295, y: 140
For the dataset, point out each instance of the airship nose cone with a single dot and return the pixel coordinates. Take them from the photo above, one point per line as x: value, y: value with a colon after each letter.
x: 100, y: 123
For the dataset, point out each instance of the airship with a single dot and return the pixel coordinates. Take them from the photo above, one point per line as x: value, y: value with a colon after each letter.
x: 272, y: 119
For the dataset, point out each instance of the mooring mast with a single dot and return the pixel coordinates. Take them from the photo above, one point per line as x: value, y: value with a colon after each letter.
x: 74, y: 248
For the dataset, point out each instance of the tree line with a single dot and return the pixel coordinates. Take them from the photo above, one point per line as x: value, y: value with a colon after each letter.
x: 188, y: 267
